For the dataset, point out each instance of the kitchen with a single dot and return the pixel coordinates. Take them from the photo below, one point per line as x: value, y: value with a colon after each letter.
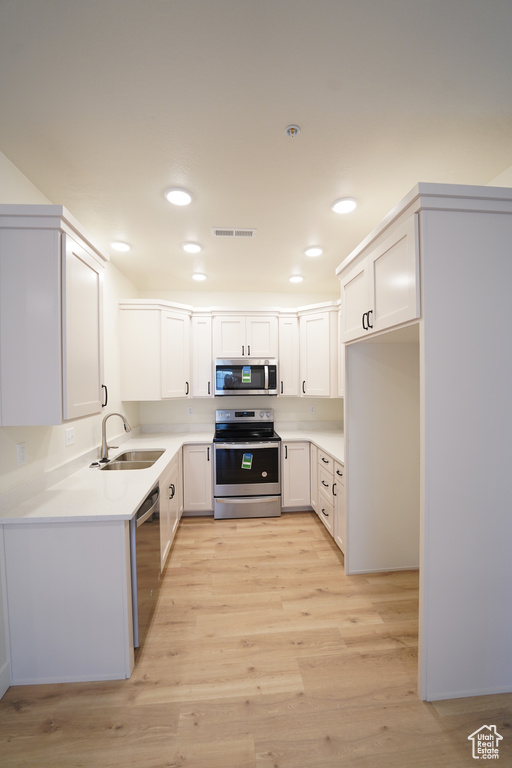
x: 46, y: 447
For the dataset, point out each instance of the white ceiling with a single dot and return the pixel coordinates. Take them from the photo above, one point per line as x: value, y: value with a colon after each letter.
x: 107, y: 103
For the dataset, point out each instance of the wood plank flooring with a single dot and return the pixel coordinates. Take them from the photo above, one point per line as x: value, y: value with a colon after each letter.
x: 261, y: 654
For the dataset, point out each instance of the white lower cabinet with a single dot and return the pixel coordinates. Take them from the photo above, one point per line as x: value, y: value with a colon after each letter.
x: 313, y: 456
x: 325, y: 508
x: 198, y: 478
x: 295, y: 487
x: 339, y: 506
x: 169, y: 507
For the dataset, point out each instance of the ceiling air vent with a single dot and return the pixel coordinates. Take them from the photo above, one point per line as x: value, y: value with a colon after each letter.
x: 224, y: 232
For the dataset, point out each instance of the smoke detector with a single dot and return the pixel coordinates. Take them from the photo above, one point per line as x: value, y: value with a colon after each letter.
x: 292, y: 131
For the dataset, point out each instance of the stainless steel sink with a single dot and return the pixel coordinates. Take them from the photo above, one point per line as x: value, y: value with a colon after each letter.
x: 138, y: 459
x: 128, y: 465
x: 139, y: 455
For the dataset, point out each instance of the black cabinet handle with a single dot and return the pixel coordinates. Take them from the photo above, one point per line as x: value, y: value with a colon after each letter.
x: 104, y: 387
x: 364, y: 321
x: 303, y: 387
x: 333, y: 487
x: 370, y: 312
x: 324, y: 513
x: 172, y: 489
x: 207, y: 453
x: 187, y: 388
x: 286, y: 451
x: 249, y: 349
x: 243, y: 350
x: 326, y: 485
x: 340, y: 474
x: 326, y: 461
x: 281, y: 387
x: 208, y: 387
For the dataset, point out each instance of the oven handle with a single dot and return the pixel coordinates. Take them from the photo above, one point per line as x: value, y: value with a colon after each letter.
x: 246, y: 500
x: 245, y: 446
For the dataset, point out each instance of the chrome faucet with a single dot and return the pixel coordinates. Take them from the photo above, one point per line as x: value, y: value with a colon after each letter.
x: 104, y: 445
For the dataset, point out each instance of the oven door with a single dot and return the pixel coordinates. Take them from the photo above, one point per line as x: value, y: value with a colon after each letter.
x: 247, y: 469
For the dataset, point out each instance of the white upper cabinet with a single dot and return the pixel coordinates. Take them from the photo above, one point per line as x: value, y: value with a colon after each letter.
x: 155, y: 350
x: 245, y: 336
x: 51, y: 360
x: 381, y: 289
x: 175, y: 354
x: 201, y: 369
x: 288, y: 370
x: 318, y: 352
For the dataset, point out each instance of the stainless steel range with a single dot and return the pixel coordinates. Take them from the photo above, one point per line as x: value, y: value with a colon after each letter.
x: 246, y: 464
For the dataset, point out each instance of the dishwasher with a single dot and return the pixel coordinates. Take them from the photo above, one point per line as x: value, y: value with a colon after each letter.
x: 145, y: 563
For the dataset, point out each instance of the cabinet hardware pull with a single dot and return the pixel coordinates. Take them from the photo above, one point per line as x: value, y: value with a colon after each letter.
x: 248, y: 349
x: 281, y: 387
x: 326, y: 461
x: 365, y: 315
x: 370, y: 312
x: 303, y: 387
x: 207, y: 453
x: 187, y: 389
x: 326, y: 485
x: 324, y: 513
x: 104, y: 386
x: 243, y: 350
x: 286, y: 451
x: 333, y: 487
x: 172, y: 489
x: 340, y: 474
x: 208, y: 387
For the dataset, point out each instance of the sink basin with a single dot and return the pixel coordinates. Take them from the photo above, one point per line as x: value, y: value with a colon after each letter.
x: 139, y: 455
x: 128, y: 465
x: 138, y: 459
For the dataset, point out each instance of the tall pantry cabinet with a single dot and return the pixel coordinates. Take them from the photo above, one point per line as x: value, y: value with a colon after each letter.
x: 51, y: 363
x: 428, y: 423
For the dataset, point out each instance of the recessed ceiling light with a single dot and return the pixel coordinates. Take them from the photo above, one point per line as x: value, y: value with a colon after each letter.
x: 198, y: 276
x: 191, y: 247
x: 296, y: 279
x: 118, y: 245
x: 178, y: 196
x: 344, y: 205
x: 314, y: 250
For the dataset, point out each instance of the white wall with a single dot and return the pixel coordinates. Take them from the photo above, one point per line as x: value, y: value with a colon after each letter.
x: 503, y: 180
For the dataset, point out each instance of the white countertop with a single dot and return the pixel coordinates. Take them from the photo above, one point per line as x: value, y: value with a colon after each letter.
x: 92, y: 495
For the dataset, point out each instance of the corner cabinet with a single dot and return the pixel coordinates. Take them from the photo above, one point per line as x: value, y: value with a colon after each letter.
x: 155, y: 350
x: 318, y: 330
x: 51, y: 351
x: 381, y: 289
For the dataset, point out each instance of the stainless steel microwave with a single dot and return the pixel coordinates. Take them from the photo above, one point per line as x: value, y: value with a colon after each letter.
x: 246, y: 376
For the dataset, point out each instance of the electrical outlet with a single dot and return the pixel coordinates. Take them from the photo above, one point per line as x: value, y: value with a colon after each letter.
x: 69, y: 436
x: 21, y: 453
x: 311, y: 408
x: 190, y: 410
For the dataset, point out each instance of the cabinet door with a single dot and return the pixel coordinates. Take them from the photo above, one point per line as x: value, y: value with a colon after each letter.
x: 261, y: 336
x: 295, y: 475
x: 228, y: 336
x: 201, y: 363
x: 175, y: 355
x: 318, y: 355
x: 339, y: 506
x: 289, y: 372
x: 169, y: 516
x: 82, y: 332
x: 313, y: 453
x: 140, y: 354
x: 355, y: 300
x: 394, y: 277
x: 197, y: 478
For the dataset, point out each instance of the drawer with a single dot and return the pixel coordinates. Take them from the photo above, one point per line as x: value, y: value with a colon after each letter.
x: 325, y: 480
x: 326, y: 461
x: 339, y: 473
x: 326, y: 511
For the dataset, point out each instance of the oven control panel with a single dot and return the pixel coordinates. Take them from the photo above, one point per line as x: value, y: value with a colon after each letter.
x: 251, y: 416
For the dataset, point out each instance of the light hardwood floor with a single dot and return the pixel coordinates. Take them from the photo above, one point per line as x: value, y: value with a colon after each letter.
x: 261, y: 654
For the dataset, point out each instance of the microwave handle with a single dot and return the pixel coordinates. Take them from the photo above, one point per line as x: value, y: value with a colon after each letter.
x: 266, y: 377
